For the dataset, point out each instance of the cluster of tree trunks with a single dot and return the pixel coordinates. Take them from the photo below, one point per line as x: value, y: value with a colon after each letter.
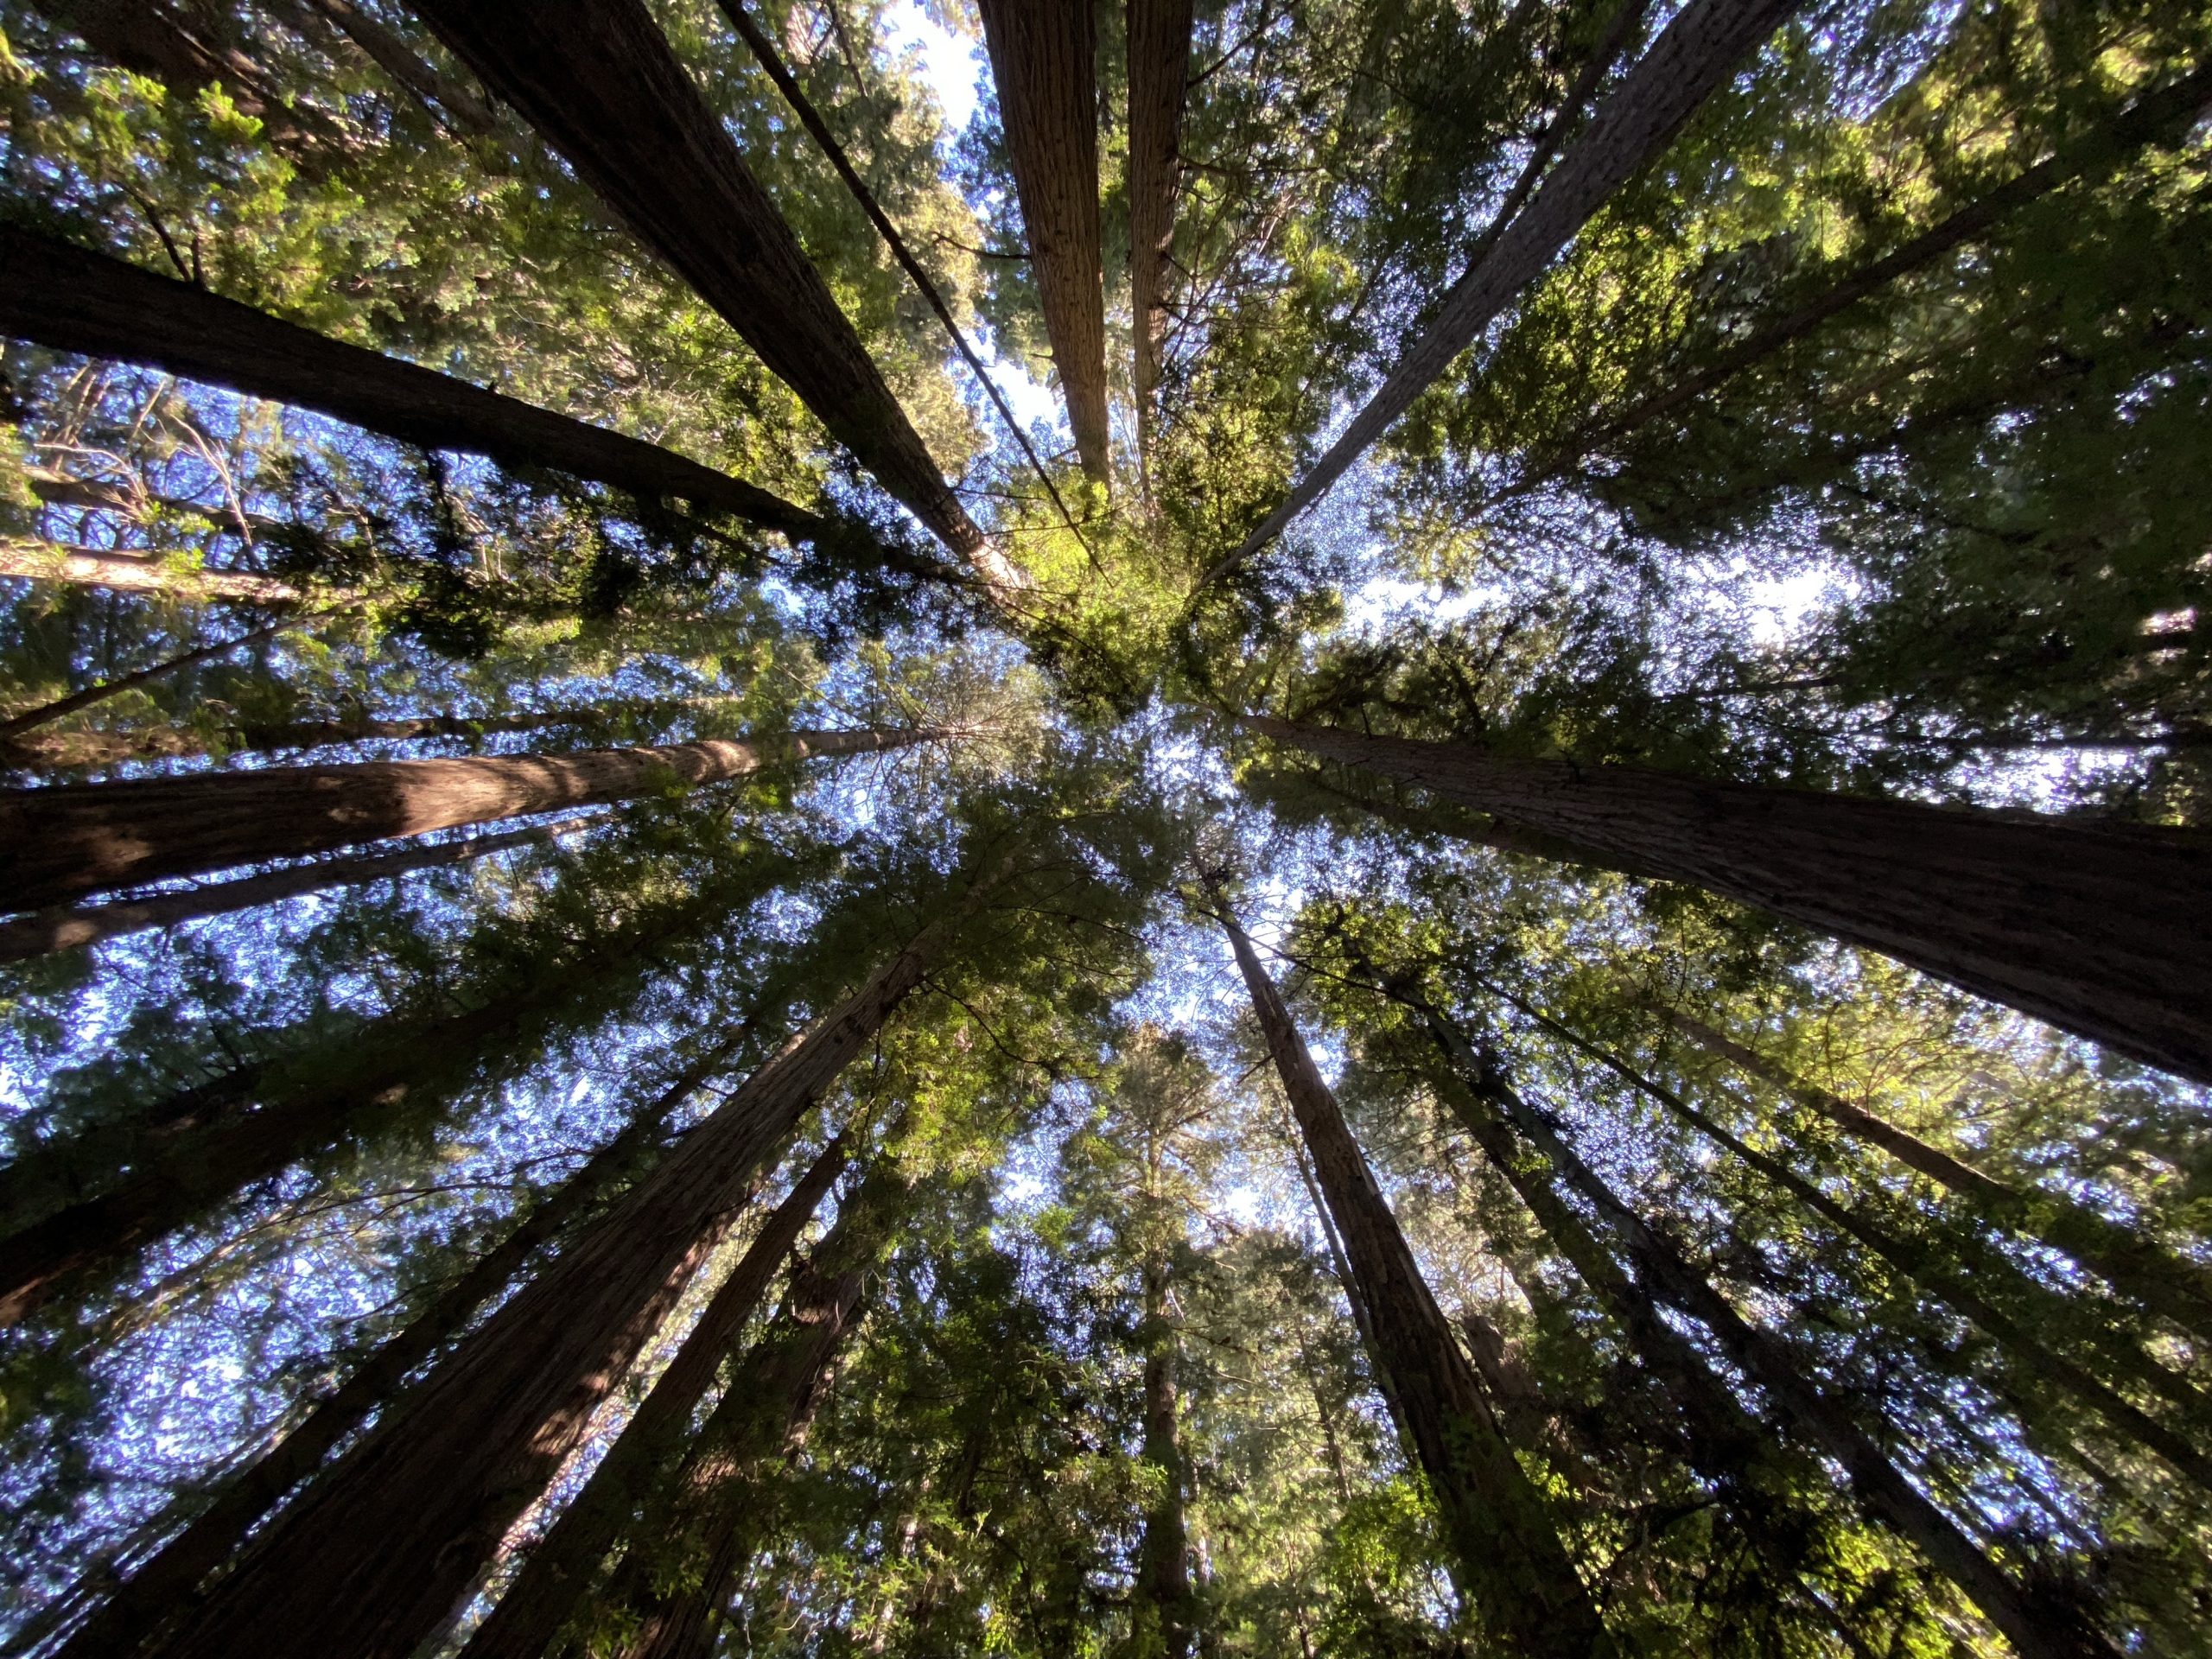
x: 1043, y: 54
x: 2094, y: 927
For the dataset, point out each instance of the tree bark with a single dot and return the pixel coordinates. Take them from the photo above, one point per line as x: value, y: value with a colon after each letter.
x: 1766, y: 1360
x: 2132, y: 1264
x: 46, y: 932
x: 161, y: 1587
x: 597, y: 79
x: 1511, y: 1561
x: 1159, y: 68
x: 1164, y: 1556
x: 372, y: 1559
x: 131, y: 573
x: 70, y: 299
x: 75, y: 838
x: 2097, y: 928
x: 1043, y: 59
x: 1693, y: 58
x: 559, y: 1570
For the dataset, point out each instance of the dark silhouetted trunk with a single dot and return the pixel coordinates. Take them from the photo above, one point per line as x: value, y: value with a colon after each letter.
x: 1159, y: 69
x: 74, y: 299
x: 390, y: 53
x: 560, y: 1569
x: 47, y: 931
x: 2096, y: 927
x: 1693, y: 58
x: 597, y: 78
x: 373, y: 1557
x: 2132, y: 1264
x: 132, y: 573
x: 15, y: 751
x: 1164, y: 1557
x: 1043, y: 54
x: 56, y: 843
x: 1510, y: 1561
x: 1767, y: 1361
x: 159, y: 1589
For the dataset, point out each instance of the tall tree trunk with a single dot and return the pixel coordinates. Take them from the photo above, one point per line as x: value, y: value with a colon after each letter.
x: 597, y: 78
x: 404, y: 65
x: 56, y: 843
x: 1695, y: 55
x: 560, y: 1569
x: 2132, y: 1264
x: 74, y: 299
x: 1766, y: 1360
x: 370, y: 1561
x: 2096, y: 928
x: 1511, y: 1561
x: 161, y: 1587
x: 130, y: 573
x: 1159, y: 69
x: 1043, y: 60
x: 1164, y: 1557
x: 45, y: 932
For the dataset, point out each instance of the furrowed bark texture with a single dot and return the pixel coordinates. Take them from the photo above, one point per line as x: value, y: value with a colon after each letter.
x: 1515, y: 1568
x: 1159, y: 68
x: 47, y: 931
x: 58, y: 842
x: 1768, y: 1362
x: 1043, y: 60
x: 1690, y: 60
x: 2131, y: 1263
x: 374, y: 1557
x: 159, y: 1589
x: 70, y: 299
x: 597, y: 79
x: 131, y: 573
x: 2098, y: 929
x: 1164, y: 1563
x: 561, y: 1568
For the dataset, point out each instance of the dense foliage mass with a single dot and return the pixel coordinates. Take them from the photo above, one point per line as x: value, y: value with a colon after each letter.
x: 1207, y: 827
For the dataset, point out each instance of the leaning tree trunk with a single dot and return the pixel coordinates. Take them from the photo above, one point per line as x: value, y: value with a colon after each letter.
x: 124, y: 572
x: 2131, y: 1263
x: 1159, y: 68
x: 2097, y: 928
x: 1694, y: 57
x: 1164, y: 1566
x: 62, y: 929
x: 1511, y: 1560
x: 1043, y: 60
x: 74, y: 299
x: 56, y: 843
x: 597, y: 78
x: 560, y: 1568
x: 161, y: 1587
x: 1765, y: 1359
x: 372, y: 1558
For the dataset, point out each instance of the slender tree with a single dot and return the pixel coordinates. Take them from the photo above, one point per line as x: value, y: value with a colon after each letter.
x: 126, y: 572
x: 2091, y: 926
x: 56, y: 843
x: 1160, y: 65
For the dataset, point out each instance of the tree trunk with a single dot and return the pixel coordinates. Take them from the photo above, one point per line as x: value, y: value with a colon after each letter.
x: 58, y: 842
x: 404, y: 65
x: 560, y: 1568
x: 2094, y: 927
x: 1765, y: 1359
x: 70, y: 299
x: 1043, y: 60
x: 1695, y: 55
x: 130, y: 573
x: 161, y: 1587
x: 2132, y: 1264
x: 597, y: 78
x: 1164, y: 1565
x: 372, y: 1559
x: 14, y: 751
x: 1159, y: 68
x: 1511, y: 1560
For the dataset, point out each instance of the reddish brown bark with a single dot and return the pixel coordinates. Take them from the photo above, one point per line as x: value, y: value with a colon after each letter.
x: 1043, y: 54
x: 2096, y: 928
x: 537, y: 1604
x: 1511, y: 1562
x: 74, y: 299
x: 597, y: 79
x: 47, y: 931
x: 372, y: 1558
x: 158, y: 1589
x: 1159, y: 68
x: 1693, y: 58
x: 75, y: 838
